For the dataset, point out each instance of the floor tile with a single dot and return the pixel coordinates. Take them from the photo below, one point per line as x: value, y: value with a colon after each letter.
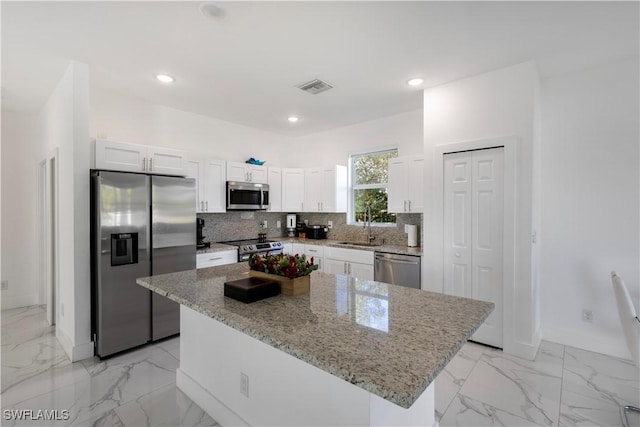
x: 465, y: 411
x: 450, y: 380
x: 526, y: 389
x: 167, y: 406
x: 108, y: 419
x: 594, y: 386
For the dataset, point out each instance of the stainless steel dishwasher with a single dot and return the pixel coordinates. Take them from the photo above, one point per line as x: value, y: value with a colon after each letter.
x: 403, y: 270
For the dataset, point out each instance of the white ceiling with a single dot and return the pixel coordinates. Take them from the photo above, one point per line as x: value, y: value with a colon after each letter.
x: 243, y: 67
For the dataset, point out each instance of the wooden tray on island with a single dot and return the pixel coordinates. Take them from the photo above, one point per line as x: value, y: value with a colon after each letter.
x: 251, y: 289
x: 297, y: 286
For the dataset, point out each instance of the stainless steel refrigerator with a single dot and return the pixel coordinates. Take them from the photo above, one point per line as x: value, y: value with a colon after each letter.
x: 141, y: 225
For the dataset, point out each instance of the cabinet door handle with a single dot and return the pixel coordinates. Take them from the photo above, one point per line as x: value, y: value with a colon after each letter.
x: 405, y: 206
x: 409, y: 205
x: 150, y: 164
x: 344, y: 270
x: 144, y: 164
x: 206, y: 206
x: 349, y: 270
x: 215, y: 259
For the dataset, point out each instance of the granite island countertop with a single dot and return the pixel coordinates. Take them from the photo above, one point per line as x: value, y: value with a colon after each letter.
x: 389, y: 340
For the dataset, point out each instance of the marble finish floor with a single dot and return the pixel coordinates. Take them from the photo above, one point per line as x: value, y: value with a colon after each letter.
x: 563, y: 386
x: 136, y: 388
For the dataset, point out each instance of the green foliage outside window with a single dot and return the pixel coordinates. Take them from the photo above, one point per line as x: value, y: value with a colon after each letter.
x: 370, y: 177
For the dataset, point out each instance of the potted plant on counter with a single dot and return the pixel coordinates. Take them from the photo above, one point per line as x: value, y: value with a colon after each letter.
x: 291, y: 271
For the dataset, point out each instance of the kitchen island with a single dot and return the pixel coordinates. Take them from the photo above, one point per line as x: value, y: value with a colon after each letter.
x: 352, y: 352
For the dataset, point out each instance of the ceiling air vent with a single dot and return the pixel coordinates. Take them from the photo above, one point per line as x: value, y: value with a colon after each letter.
x: 315, y: 86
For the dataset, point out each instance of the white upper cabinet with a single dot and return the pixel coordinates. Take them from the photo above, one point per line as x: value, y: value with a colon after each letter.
x: 325, y: 189
x: 275, y: 189
x: 214, y: 186
x: 406, y: 184
x: 118, y: 156
x: 210, y: 176
x: 312, y: 189
x: 166, y: 161
x: 245, y: 172
x: 293, y: 189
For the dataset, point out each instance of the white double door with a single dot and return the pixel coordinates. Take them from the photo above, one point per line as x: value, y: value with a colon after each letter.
x: 473, y: 233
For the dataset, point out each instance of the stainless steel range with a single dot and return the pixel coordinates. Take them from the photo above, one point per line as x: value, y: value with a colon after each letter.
x: 252, y: 246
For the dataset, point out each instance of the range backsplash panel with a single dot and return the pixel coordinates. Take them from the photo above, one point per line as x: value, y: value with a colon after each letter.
x: 246, y: 225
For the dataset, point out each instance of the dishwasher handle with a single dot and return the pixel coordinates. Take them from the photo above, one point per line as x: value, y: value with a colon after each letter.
x: 395, y: 260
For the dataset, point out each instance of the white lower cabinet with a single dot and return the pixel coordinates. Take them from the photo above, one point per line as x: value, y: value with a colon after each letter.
x: 214, y: 259
x: 352, y: 262
x: 317, y: 253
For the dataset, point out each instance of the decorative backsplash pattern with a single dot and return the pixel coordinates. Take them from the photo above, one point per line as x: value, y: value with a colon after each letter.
x: 246, y: 225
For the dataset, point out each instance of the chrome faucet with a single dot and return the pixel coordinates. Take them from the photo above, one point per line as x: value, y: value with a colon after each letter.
x: 367, y: 223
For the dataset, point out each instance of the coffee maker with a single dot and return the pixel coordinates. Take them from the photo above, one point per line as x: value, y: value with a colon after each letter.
x: 292, y: 221
x: 200, y: 243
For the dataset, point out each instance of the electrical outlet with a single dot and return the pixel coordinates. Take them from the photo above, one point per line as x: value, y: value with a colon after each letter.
x: 244, y: 384
x: 587, y: 315
x: 5, y: 285
x: 264, y: 224
x: 278, y: 224
x: 329, y: 224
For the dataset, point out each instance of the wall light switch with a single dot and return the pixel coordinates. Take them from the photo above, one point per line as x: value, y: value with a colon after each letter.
x: 329, y: 224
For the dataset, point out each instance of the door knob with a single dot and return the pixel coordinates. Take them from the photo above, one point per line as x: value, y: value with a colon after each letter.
x: 457, y: 254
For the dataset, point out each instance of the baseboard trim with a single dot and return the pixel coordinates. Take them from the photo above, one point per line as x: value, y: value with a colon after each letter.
x: 74, y: 352
x: 611, y: 346
x: 18, y: 301
x: 524, y: 350
x: 82, y: 351
x: 212, y: 406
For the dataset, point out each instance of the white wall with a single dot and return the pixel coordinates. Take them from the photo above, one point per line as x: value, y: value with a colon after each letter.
x: 19, y: 209
x: 590, y: 203
x: 122, y: 118
x: 63, y: 123
x: 491, y: 105
x: 403, y: 131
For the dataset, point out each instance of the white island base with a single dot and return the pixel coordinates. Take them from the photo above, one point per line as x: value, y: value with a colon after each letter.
x: 282, y: 390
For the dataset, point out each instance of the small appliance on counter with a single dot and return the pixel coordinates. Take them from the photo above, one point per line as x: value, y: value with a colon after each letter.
x: 292, y: 220
x: 317, y: 232
x: 412, y: 235
x: 200, y: 243
x: 301, y: 229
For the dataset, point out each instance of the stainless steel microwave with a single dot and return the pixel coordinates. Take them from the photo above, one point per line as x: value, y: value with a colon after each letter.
x: 247, y: 196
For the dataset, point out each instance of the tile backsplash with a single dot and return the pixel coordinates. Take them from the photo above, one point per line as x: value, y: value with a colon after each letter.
x: 246, y: 225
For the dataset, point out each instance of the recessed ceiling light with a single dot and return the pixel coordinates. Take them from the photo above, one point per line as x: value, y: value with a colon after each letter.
x: 293, y: 119
x: 164, y: 78
x: 416, y: 81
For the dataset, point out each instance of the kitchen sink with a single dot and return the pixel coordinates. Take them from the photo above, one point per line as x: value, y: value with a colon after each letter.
x: 371, y: 245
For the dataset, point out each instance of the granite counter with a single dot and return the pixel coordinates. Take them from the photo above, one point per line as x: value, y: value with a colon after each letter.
x: 389, y: 340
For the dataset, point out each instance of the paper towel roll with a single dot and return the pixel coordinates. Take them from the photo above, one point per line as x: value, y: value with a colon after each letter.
x: 412, y: 235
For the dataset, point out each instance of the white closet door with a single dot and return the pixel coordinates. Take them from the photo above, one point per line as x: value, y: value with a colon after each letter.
x: 457, y: 225
x: 473, y: 229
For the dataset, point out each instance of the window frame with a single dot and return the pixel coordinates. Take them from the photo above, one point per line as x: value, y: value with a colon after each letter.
x: 351, y: 212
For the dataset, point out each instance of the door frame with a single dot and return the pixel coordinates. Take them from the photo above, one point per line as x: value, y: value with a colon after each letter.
x: 435, y: 261
x: 51, y: 235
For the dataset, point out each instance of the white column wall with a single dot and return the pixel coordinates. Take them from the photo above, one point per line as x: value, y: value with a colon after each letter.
x: 491, y: 105
x: 63, y: 123
x: 590, y: 203
x: 19, y: 210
